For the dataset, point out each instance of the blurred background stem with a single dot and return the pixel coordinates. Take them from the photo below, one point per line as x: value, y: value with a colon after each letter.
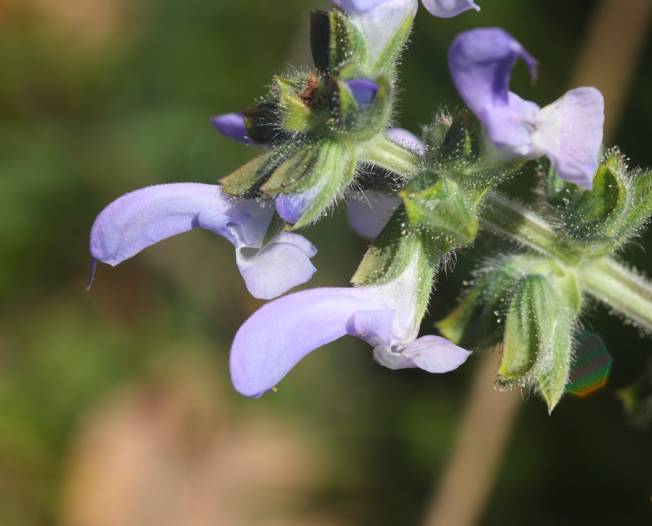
x: 608, y: 60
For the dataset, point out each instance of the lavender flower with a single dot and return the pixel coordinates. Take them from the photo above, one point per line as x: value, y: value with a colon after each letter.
x: 233, y: 126
x: 569, y: 131
x: 272, y: 341
x: 381, y: 20
x: 142, y: 218
x: 364, y: 90
x: 440, y: 8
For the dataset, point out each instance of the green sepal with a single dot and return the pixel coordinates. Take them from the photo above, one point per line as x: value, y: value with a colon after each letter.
x: 596, y: 215
x: 295, y: 173
x: 390, y: 252
x: 640, y: 206
x: 247, y: 179
x: 462, y: 142
x: 442, y: 212
x: 352, y: 121
x: 552, y: 376
x: 295, y: 115
x: 455, y: 147
x: 335, y: 42
x: 529, y: 326
x: 322, y: 170
x: 336, y: 175
x: 478, y: 320
x: 387, y: 60
x: 537, y: 346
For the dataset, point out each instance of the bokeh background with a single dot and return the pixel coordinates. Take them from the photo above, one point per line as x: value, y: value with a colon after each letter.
x: 115, y: 405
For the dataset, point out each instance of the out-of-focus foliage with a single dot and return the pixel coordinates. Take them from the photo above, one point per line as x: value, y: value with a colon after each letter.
x: 101, y: 97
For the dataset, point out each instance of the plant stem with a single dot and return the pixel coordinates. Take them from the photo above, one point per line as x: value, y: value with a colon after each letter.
x: 618, y: 287
x: 622, y: 289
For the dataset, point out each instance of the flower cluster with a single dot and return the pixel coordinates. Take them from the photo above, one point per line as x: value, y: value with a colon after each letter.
x: 328, y: 135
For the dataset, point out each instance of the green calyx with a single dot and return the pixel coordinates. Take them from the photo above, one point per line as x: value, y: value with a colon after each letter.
x: 318, y: 104
x: 531, y: 304
x: 442, y: 212
x: 599, y: 221
x: 394, y: 250
x: 318, y: 173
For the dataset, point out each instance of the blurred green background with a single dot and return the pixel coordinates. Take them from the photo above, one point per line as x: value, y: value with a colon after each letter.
x: 115, y: 406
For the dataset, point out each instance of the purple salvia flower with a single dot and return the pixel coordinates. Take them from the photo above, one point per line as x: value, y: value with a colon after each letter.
x: 440, y: 8
x: 378, y: 20
x: 292, y: 206
x: 569, y: 131
x: 233, y: 126
x: 449, y: 8
x: 276, y: 337
x: 369, y: 211
x: 407, y: 139
x: 364, y: 90
x: 142, y: 218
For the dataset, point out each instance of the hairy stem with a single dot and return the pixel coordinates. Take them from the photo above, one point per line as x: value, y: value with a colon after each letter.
x: 621, y: 289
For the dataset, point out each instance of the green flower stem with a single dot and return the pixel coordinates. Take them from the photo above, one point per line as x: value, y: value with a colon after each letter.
x: 607, y: 280
x: 620, y: 288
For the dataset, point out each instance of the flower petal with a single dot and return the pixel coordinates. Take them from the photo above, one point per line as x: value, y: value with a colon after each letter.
x: 435, y: 354
x: 278, y: 267
x: 407, y: 140
x: 233, y: 126
x: 142, y: 218
x: 364, y: 90
x: 394, y: 360
x: 481, y: 62
x: 277, y: 336
x: 357, y: 6
x: 449, y: 8
x: 570, y: 132
x: 379, y: 21
x: 369, y: 211
x: 376, y: 327
x: 292, y: 206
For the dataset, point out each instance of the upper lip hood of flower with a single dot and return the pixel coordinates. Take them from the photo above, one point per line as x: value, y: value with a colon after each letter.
x: 276, y: 337
x: 233, y: 126
x: 440, y: 8
x: 144, y: 217
x: 568, y: 132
